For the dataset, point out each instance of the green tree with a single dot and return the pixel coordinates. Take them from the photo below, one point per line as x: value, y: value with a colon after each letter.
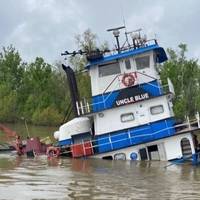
x: 11, y: 68
x: 44, y: 92
x: 11, y: 73
x: 185, y: 76
x: 87, y: 42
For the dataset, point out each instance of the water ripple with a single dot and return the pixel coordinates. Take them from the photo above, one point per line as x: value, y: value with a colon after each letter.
x: 40, y: 178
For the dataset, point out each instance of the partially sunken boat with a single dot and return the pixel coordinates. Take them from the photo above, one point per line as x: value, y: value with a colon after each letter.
x: 130, y: 115
x: 31, y: 146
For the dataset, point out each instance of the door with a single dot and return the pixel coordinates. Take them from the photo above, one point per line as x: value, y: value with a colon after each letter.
x: 153, y: 152
x: 143, y: 154
x: 186, y: 147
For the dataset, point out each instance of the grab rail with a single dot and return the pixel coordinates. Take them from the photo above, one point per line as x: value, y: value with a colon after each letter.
x: 187, y: 124
x: 84, y: 107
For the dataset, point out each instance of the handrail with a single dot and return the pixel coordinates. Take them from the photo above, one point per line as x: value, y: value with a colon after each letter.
x: 132, y: 137
x: 84, y: 107
x: 146, y: 75
x: 105, y: 99
x: 118, y: 75
x: 111, y: 83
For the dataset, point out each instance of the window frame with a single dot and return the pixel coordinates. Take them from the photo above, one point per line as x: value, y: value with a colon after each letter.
x: 100, y: 75
x: 129, y: 60
x: 139, y: 57
x: 124, y: 114
x: 120, y: 156
x: 152, y: 107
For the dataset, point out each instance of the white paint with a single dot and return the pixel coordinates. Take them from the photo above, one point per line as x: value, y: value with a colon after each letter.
x: 75, y: 126
x: 168, y: 148
x: 111, y: 121
x: 173, y: 146
x: 161, y: 150
x: 142, y: 113
x: 102, y: 84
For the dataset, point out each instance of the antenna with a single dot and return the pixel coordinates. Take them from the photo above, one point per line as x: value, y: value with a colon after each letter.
x: 136, y: 37
x: 92, y: 55
x: 116, y: 33
x: 124, y: 22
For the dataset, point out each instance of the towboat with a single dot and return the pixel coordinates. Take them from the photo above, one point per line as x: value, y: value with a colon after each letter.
x: 130, y: 114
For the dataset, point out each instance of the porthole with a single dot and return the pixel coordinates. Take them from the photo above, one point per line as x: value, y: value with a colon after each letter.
x: 133, y: 156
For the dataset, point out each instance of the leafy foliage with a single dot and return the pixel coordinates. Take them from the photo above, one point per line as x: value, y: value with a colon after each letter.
x: 185, y: 75
x: 33, y: 91
x: 39, y: 92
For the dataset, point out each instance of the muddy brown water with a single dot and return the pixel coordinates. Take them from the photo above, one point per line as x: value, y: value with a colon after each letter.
x: 41, y: 178
x: 23, y: 178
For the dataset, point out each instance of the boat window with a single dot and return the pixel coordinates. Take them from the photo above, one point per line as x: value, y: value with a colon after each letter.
x: 127, y: 117
x: 109, y: 69
x: 128, y: 64
x: 142, y: 62
x: 107, y: 158
x: 120, y: 156
x: 156, y: 109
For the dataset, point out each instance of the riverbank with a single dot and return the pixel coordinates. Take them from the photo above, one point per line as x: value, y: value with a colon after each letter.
x: 30, y: 130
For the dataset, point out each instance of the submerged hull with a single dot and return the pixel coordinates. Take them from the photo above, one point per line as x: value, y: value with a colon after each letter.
x: 164, y: 149
x: 179, y: 147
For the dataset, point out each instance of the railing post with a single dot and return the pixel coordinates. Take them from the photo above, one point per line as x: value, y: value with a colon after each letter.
x: 84, y: 105
x: 197, y: 117
x: 188, y: 122
x: 77, y: 106
x: 88, y: 107
x: 81, y: 104
x: 110, y: 142
x: 83, y: 145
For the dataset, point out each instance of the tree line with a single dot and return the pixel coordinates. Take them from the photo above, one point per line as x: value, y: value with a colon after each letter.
x: 39, y: 93
x: 185, y: 76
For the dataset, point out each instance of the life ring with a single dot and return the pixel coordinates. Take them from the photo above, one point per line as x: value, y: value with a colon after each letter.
x: 128, y: 80
x: 53, y: 152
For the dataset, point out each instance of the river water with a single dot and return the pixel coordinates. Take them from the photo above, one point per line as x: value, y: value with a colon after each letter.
x: 42, y: 178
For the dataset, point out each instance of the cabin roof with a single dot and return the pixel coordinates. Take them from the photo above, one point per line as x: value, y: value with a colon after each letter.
x: 159, y: 50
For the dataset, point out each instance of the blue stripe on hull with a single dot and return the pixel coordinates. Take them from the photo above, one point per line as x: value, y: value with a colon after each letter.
x: 102, y: 102
x: 107, y: 101
x: 133, y: 136
x: 154, y: 88
x: 65, y: 142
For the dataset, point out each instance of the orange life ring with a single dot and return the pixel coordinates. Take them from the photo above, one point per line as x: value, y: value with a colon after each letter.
x: 128, y: 80
x: 53, y: 152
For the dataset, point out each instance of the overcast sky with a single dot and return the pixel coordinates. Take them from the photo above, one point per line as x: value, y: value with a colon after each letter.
x: 47, y: 27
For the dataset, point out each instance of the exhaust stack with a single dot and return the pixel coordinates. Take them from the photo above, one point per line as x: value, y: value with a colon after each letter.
x: 72, y: 87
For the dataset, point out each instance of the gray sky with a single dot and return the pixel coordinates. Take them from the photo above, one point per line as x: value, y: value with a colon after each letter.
x: 47, y: 27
